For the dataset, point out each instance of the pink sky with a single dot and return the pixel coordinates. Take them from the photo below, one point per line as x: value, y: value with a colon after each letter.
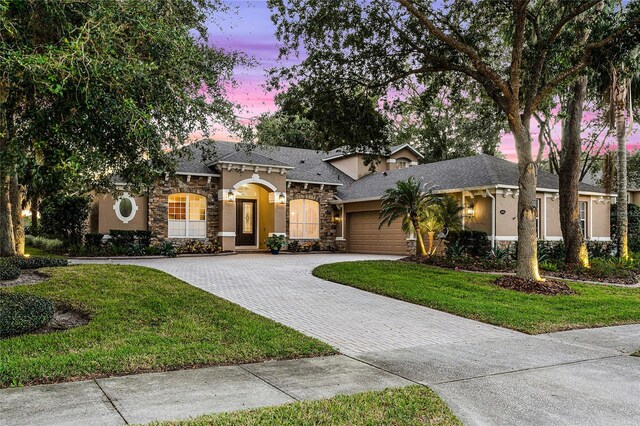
x: 251, y: 31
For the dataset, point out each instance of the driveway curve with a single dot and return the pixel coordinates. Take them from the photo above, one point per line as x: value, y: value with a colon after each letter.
x: 488, y: 375
x: 353, y: 321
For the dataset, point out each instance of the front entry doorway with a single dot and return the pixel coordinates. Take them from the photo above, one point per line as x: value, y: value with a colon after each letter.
x: 246, y: 223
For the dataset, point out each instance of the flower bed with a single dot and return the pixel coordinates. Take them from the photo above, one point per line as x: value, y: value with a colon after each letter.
x: 608, y: 270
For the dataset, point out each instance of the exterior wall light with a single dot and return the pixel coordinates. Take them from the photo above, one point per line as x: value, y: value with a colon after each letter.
x: 282, y: 199
x: 470, y: 210
x: 231, y: 196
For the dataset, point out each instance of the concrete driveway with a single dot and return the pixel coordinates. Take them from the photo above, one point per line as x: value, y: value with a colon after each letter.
x: 488, y: 375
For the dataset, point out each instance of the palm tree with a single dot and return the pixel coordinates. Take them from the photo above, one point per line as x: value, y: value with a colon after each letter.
x: 407, y: 201
x: 443, y: 213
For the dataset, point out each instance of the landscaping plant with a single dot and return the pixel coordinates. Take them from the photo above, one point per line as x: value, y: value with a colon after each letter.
x: 21, y: 313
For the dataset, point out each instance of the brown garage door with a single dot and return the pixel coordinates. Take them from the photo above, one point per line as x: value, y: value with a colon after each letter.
x: 363, y: 235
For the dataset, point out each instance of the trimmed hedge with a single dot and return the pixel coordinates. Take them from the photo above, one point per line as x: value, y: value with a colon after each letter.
x: 8, y: 271
x: 50, y: 245
x: 36, y: 262
x: 475, y: 243
x: 126, y: 237
x: 22, y: 313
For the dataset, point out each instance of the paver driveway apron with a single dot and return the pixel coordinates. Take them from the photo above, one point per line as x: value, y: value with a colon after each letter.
x: 354, y: 321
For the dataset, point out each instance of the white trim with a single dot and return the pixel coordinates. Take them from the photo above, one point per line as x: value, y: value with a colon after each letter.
x: 409, y: 147
x: 341, y: 239
x: 256, y: 231
x: 391, y: 160
x: 197, y: 174
x: 226, y: 234
x: 313, y: 182
x: 282, y: 234
x: 187, y: 220
x: 554, y: 239
x: 506, y: 238
x: 303, y: 221
x: 134, y: 207
x: 544, y: 223
x: 413, y: 163
x: 266, y: 166
x: 607, y: 239
x: 255, y: 178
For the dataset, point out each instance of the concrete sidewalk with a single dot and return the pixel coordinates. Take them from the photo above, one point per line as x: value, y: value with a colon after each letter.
x: 181, y: 394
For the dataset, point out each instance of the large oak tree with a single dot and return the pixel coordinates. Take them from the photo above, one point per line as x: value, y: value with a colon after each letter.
x: 107, y: 87
x: 517, y: 51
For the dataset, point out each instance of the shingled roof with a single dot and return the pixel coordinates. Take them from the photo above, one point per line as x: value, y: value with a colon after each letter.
x: 461, y: 173
x: 307, y: 164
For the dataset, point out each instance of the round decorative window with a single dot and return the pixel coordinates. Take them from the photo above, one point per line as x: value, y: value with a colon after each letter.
x: 125, y: 207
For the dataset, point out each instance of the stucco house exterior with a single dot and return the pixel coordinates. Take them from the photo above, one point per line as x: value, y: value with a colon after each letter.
x: 240, y: 198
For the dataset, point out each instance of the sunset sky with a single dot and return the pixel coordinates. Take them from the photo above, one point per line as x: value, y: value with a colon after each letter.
x: 251, y: 31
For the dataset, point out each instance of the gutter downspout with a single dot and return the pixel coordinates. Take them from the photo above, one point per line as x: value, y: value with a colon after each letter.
x: 493, y: 220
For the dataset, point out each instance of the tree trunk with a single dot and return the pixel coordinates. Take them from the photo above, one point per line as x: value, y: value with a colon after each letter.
x: 35, y: 210
x: 431, y: 235
x: 416, y: 227
x: 569, y: 177
x: 527, y: 262
x: 15, y: 195
x: 7, y: 241
x: 619, y: 99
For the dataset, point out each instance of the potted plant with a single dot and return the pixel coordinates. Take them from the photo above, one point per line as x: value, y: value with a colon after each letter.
x: 275, y: 243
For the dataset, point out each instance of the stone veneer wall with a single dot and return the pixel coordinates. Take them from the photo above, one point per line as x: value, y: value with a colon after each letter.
x: 159, y: 205
x: 313, y: 192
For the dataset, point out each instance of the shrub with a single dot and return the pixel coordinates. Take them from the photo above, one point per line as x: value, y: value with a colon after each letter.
x: 127, y: 237
x: 136, y: 249
x: 22, y: 313
x: 36, y: 262
x: 599, y: 249
x: 475, y: 243
x: 610, y: 268
x: 455, y: 249
x: 633, y: 213
x: 47, y: 244
x: 8, y: 271
x: 199, y: 247
x: 546, y: 265
x: 316, y: 246
x: 552, y: 251
x: 293, y: 246
x: 93, y: 240
x: 166, y: 248
x: 65, y: 217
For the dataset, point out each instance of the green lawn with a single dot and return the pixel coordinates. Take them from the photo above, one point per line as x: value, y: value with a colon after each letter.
x: 473, y: 296
x: 142, y: 320
x: 32, y: 251
x: 413, y: 405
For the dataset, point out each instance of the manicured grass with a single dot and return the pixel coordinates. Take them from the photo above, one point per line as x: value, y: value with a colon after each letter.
x: 473, y: 296
x: 413, y: 405
x: 142, y: 320
x: 33, y: 251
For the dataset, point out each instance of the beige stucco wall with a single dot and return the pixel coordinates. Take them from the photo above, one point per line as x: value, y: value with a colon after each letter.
x: 481, y: 220
x: 103, y: 217
x: 601, y: 218
x: 553, y: 218
x: 507, y: 223
x: 354, y: 166
x: 228, y: 179
x: 634, y: 197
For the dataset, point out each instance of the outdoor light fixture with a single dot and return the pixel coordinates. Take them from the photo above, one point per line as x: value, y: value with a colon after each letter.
x: 282, y: 198
x: 470, y: 210
x: 230, y: 196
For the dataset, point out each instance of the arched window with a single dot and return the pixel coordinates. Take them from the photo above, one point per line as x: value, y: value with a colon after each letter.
x: 304, y: 219
x: 187, y: 216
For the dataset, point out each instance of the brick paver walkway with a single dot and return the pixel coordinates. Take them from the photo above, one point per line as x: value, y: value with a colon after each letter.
x: 354, y: 321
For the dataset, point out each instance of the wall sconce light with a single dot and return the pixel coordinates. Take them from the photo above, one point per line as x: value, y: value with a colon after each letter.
x: 507, y: 193
x: 282, y: 199
x: 231, y: 196
x: 470, y: 210
x: 555, y: 196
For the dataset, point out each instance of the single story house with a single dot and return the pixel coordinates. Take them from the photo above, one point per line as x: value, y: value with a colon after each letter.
x: 241, y: 198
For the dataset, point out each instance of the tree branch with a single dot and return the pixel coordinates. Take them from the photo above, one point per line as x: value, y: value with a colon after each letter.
x: 458, y: 46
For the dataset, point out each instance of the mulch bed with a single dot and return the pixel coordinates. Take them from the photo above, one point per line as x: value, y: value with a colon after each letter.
x: 27, y: 277
x: 491, y: 266
x: 63, y: 319
x: 549, y: 288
